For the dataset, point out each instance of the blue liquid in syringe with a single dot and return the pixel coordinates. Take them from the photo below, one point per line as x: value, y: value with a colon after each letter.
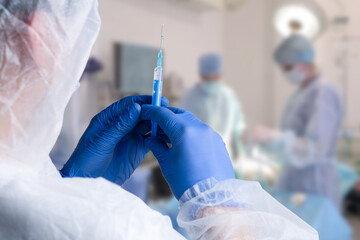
x: 157, y: 93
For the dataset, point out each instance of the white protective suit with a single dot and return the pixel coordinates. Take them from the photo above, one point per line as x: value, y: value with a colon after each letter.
x: 40, y: 67
x: 220, y: 110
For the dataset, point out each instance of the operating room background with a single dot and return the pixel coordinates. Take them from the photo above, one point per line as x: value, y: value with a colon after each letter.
x: 245, y: 35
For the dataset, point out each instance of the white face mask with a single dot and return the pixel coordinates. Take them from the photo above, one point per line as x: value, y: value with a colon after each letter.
x: 296, y: 76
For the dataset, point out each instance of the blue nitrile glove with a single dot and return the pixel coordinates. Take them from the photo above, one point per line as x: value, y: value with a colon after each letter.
x: 113, y: 145
x: 197, y: 152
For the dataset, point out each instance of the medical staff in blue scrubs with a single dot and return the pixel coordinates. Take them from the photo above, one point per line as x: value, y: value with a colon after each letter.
x: 307, y: 139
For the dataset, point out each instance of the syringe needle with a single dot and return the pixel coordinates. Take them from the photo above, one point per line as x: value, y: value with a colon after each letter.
x: 162, y: 36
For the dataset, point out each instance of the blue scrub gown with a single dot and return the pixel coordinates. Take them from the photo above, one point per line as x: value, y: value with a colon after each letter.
x: 307, y: 146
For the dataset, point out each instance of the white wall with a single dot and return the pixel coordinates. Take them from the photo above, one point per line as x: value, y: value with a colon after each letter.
x: 339, y: 56
x: 248, y: 51
x: 188, y: 33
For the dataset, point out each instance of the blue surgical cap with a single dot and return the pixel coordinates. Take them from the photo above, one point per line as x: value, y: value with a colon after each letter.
x: 211, y: 64
x: 295, y: 49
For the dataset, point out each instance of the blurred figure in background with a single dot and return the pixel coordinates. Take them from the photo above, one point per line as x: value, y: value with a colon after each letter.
x: 216, y: 104
x: 306, y: 141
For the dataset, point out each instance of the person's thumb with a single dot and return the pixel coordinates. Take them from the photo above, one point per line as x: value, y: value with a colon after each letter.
x: 159, y: 148
x: 127, y: 121
x: 107, y: 138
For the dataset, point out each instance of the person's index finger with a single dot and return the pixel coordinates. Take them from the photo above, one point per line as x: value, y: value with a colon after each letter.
x: 164, y: 102
x: 140, y: 99
x: 164, y: 117
x: 143, y: 99
x: 176, y: 110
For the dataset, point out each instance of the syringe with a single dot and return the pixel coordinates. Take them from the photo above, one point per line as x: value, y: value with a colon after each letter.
x: 158, y: 82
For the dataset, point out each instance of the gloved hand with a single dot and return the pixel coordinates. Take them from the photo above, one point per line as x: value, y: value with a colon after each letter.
x: 197, y: 152
x: 113, y: 145
x: 260, y: 134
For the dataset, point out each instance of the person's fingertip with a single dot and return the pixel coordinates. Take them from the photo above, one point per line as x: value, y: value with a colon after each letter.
x: 136, y: 107
x: 164, y: 101
x: 134, y: 111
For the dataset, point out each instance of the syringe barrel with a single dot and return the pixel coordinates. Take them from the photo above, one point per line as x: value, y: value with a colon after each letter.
x: 157, y: 93
x: 157, y: 87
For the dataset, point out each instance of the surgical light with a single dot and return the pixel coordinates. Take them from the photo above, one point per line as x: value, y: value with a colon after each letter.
x: 301, y: 17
